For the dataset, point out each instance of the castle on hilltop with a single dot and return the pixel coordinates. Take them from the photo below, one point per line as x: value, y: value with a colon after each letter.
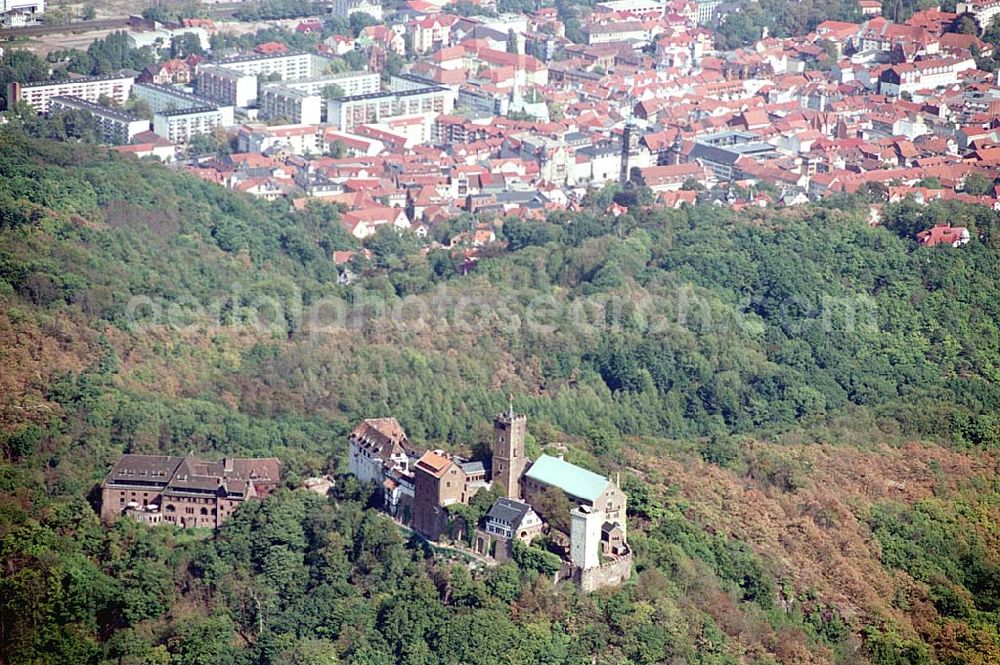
x: 417, y: 487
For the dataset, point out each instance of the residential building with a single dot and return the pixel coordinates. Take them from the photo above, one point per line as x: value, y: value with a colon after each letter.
x: 672, y: 177
x: 167, y: 72
x: 365, y: 222
x: 910, y: 77
x: 116, y: 126
x: 39, y: 94
x: 351, y: 83
x: 431, y: 33
x: 180, y: 125
x: 944, y: 234
x: 346, y: 113
x: 643, y: 9
x: 706, y: 11
x: 478, y: 100
x: 227, y: 86
x: 161, y: 98
x: 184, y: 491
x: 295, y: 106
x: 507, y: 521
x: 610, y: 33
x: 296, y: 139
x: 344, y: 8
x: 289, y: 65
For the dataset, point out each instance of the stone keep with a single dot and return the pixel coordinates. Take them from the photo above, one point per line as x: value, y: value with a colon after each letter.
x: 508, y: 452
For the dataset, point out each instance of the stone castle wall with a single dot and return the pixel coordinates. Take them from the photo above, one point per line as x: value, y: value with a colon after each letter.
x: 611, y: 573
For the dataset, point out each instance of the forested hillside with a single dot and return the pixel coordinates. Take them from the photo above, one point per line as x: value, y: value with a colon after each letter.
x: 804, y: 410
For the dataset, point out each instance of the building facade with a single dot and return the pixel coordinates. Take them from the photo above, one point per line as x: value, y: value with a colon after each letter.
x: 294, y: 106
x: 344, y: 8
x: 184, y: 491
x: 162, y: 98
x: 39, y: 94
x: 180, y: 125
x: 115, y: 126
x: 351, y: 83
x: 506, y: 522
x: 227, y: 86
x: 346, y: 113
x: 438, y: 483
x: 290, y: 66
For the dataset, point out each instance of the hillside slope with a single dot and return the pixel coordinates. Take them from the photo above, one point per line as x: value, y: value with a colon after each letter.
x: 803, y: 408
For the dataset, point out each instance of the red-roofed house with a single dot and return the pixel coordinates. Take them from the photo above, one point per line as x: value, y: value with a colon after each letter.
x: 432, y: 32
x: 672, y: 177
x: 364, y: 223
x: 944, y: 234
x: 384, y: 37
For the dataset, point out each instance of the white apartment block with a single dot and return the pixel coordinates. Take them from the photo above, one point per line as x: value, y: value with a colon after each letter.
x: 116, y: 126
x: 168, y: 98
x: 346, y: 113
x: 290, y: 66
x: 228, y: 86
x: 643, y: 9
x: 39, y: 94
x: 295, y: 106
x: 352, y: 83
x: 344, y: 8
x: 611, y: 33
x: 180, y: 125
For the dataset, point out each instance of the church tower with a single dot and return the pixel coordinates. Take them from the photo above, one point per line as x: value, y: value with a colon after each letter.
x: 628, y: 139
x: 508, y: 451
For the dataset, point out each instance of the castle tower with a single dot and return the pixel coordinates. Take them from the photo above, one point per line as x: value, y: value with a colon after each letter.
x: 585, y: 537
x: 508, y: 451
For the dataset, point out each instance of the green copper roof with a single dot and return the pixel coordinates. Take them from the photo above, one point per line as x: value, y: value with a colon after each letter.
x: 570, y: 478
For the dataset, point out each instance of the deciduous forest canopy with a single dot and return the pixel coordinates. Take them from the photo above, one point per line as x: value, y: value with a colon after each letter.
x: 803, y: 409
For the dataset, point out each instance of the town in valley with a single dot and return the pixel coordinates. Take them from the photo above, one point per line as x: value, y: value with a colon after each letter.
x: 444, y: 120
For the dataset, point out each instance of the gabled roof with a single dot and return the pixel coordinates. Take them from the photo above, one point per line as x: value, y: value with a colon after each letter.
x: 573, y: 480
x: 508, y: 511
x: 434, y: 464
